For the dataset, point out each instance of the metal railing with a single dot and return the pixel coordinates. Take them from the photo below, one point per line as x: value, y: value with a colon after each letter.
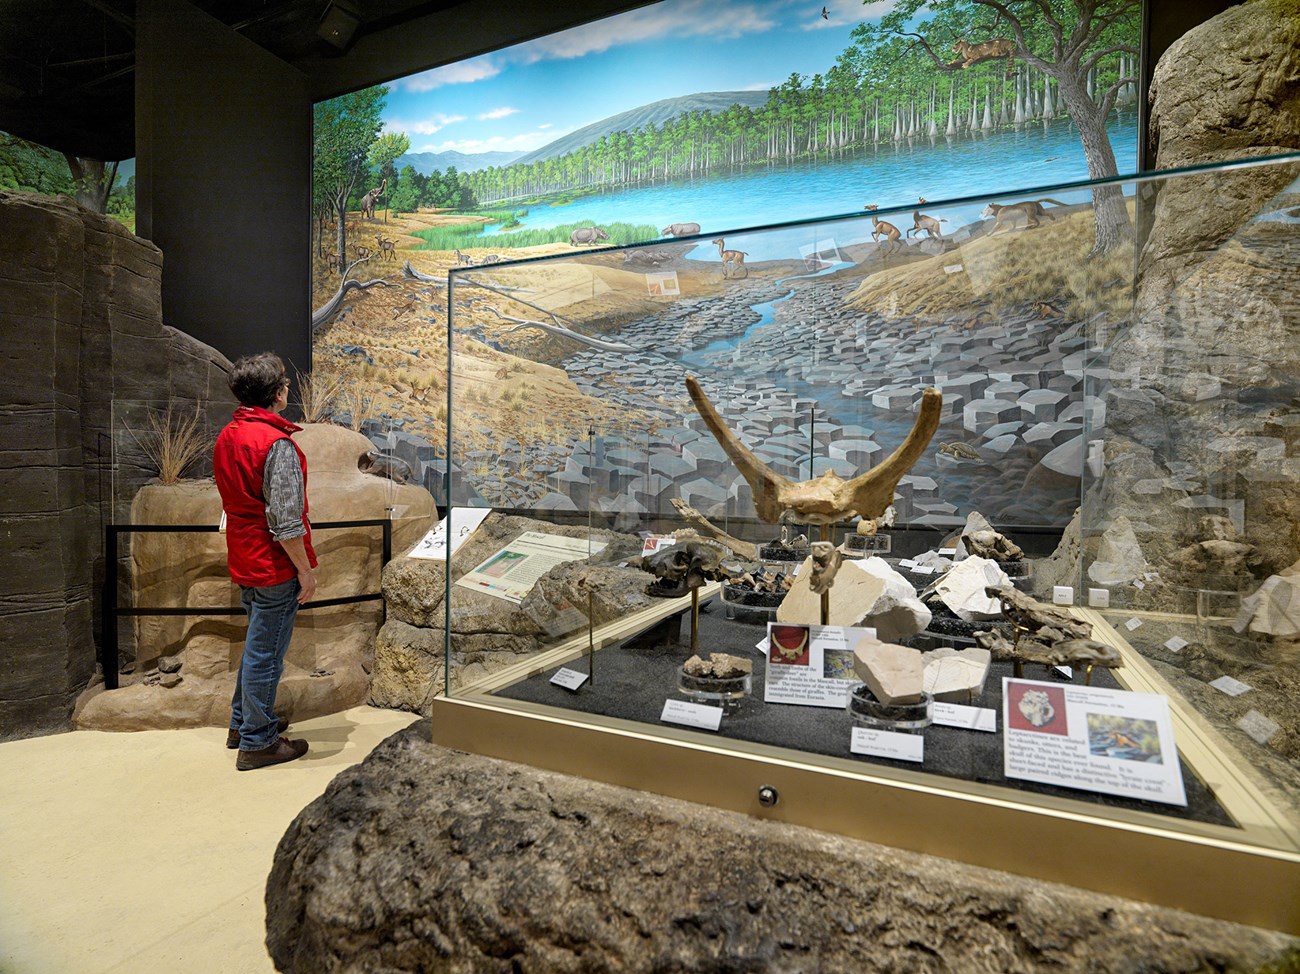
x: 112, y: 612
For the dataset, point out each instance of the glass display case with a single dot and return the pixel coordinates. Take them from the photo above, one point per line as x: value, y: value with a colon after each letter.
x: 969, y: 527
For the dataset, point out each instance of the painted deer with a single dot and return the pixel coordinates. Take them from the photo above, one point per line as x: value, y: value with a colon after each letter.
x: 734, y: 258
x: 387, y: 248
x: 891, y: 233
x: 332, y: 259
x: 927, y: 223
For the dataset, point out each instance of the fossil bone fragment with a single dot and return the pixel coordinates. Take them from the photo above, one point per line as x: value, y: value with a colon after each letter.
x: 1037, y: 620
x: 828, y: 498
x: 826, y: 559
x: 719, y: 665
x: 688, y: 565
x: 991, y: 544
x: 869, y: 526
x: 743, y: 549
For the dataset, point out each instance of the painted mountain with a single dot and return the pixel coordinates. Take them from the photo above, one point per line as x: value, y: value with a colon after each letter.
x: 428, y: 162
x: 656, y: 113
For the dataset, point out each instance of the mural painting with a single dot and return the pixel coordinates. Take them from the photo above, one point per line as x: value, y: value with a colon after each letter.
x: 678, y: 124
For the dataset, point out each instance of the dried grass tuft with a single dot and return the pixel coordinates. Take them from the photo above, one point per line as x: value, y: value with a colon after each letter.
x: 318, y: 393
x: 172, y: 441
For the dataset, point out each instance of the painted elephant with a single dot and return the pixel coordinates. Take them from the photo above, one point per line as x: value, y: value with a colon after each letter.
x: 680, y: 230
x: 587, y: 235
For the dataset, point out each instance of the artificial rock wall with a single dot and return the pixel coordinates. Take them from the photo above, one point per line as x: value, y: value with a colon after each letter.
x: 80, y: 326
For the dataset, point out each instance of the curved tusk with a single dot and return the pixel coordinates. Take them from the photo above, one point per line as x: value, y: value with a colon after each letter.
x: 765, y: 482
x: 872, y: 492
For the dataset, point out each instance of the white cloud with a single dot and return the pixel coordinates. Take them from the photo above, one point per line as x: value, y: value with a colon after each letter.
x: 724, y: 19
x: 498, y: 113
x: 523, y: 142
x: 459, y: 73
x: 546, y: 125
x: 425, y: 126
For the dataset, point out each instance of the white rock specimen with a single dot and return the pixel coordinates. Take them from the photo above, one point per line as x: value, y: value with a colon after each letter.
x: 955, y: 675
x: 1274, y: 608
x: 893, y: 673
x: 1119, y: 557
x: 867, y: 592
x: 933, y: 559
x: 962, y: 589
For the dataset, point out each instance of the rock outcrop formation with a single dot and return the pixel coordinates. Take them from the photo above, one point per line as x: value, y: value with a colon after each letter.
x: 489, y: 633
x: 329, y: 659
x: 81, y: 323
x: 425, y: 859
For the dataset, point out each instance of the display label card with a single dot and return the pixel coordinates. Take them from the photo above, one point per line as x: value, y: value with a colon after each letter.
x: 1099, y: 598
x: 1062, y: 595
x: 1139, y: 584
x: 1233, y: 688
x: 461, y: 522
x: 811, y: 665
x: 924, y: 569
x: 906, y: 563
x: 662, y: 284
x: 1259, y: 727
x: 655, y: 542
x: 511, y: 572
x: 967, y: 718
x: 1065, y: 671
x: 1108, y: 741
x: 888, y: 744
x: 221, y: 525
x: 1175, y: 644
x: 1133, y: 624
x: 691, y: 714
x: 952, y: 268
x: 569, y: 679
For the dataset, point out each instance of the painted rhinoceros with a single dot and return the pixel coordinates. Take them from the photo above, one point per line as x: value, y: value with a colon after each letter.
x: 680, y: 230
x: 587, y: 235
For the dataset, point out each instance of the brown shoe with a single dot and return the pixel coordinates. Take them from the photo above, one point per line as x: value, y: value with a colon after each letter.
x: 233, y: 738
x: 278, y: 753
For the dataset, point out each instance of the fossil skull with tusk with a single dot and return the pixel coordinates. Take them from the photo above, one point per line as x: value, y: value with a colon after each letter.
x: 828, y: 498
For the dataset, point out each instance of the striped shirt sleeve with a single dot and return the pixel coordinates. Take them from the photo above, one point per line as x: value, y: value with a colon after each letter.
x: 282, y: 486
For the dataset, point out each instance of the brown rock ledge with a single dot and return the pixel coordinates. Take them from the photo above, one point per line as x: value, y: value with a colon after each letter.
x: 426, y: 859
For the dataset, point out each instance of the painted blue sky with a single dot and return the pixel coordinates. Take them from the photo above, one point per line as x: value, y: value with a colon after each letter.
x: 522, y: 97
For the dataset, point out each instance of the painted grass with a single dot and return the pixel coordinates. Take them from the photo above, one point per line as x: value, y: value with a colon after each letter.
x: 471, y: 235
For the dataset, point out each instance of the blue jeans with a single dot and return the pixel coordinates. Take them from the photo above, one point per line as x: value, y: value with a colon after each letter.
x: 271, y: 610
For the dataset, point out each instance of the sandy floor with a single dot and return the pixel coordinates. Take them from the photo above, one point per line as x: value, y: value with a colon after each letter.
x: 149, y: 852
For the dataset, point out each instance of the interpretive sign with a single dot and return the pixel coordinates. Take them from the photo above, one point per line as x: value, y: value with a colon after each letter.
x: 1108, y: 741
x: 811, y: 665
x: 691, y: 714
x: 460, y: 523
x: 510, y: 573
x: 888, y: 744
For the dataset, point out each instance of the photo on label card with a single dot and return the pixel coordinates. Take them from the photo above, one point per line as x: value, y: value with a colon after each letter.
x: 837, y: 664
x: 1125, y: 738
x: 789, y: 644
x: 1036, y: 708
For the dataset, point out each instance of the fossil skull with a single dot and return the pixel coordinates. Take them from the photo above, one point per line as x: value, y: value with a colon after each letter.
x: 828, y: 498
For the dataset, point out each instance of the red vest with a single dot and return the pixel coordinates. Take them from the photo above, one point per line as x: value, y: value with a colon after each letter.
x: 238, y: 463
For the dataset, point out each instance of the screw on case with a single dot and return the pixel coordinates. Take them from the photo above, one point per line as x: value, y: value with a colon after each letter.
x: 768, y: 796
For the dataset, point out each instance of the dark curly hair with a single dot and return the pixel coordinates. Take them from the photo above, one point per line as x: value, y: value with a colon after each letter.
x: 257, y: 379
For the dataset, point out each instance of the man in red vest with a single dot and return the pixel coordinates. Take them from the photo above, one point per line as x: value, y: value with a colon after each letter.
x: 262, y: 477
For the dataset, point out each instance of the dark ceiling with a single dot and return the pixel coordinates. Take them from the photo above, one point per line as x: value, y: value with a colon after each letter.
x: 67, y: 67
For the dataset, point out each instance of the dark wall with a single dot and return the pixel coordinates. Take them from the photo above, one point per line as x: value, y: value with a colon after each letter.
x: 223, y: 181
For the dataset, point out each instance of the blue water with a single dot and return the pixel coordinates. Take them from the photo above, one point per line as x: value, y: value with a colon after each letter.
x: 892, y: 175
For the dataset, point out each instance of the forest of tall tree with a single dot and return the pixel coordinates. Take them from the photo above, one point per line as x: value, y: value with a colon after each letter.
x: 900, y: 79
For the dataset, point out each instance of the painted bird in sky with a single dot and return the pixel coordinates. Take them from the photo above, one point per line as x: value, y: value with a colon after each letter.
x: 825, y: 14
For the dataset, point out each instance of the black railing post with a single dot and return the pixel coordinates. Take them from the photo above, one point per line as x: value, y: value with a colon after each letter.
x: 108, y: 616
x: 387, y: 556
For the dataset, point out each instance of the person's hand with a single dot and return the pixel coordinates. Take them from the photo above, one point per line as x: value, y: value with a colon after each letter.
x: 306, y: 579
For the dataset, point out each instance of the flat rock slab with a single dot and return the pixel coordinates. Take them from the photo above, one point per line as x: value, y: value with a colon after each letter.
x: 425, y: 859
